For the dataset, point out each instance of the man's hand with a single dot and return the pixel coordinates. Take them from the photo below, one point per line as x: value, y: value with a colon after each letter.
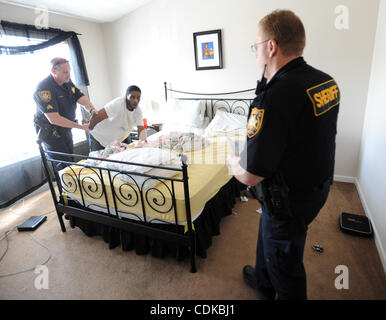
x: 239, y: 173
x: 84, y: 127
x: 142, y: 133
x: 233, y: 165
x: 84, y: 101
x: 93, y: 111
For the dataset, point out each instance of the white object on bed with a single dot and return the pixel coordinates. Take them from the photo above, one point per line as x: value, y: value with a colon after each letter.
x: 226, y: 123
x: 150, y: 156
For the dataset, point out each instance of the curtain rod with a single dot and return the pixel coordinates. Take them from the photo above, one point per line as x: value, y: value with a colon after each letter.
x: 23, y: 25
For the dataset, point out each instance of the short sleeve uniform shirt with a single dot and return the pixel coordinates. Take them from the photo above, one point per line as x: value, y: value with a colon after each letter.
x: 51, y: 97
x: 292, y: 127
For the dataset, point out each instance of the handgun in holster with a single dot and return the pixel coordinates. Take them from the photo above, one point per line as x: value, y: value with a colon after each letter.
x: 44, y: 129
x: 273, y: 195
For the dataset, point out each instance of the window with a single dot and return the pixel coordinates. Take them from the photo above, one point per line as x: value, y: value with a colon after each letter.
x: 20, y: 74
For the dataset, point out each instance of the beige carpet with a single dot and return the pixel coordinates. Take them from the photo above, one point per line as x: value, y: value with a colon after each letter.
x: 84, y: 268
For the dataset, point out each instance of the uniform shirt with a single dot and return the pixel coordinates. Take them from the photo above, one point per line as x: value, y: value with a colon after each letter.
x: 119, y: 123
x: 51, y: 97
x: 292, y: 127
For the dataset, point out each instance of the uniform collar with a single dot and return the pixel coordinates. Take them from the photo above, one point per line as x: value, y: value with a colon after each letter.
x: 289, y: 66
x: 63, y: 86
x: 53, y: 80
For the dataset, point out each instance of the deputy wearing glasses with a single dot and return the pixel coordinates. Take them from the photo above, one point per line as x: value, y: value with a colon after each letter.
x: 289, y: 156
x: 56, y: 98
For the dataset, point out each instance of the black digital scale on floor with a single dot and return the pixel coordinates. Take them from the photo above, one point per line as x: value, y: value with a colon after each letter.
x: 31, y: 223
x: 355, y: 224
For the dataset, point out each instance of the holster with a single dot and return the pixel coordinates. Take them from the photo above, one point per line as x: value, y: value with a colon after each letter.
x: 273, y: 195
x: 44, y: 130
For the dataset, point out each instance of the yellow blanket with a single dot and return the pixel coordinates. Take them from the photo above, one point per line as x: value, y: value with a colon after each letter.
x: 207, y: 173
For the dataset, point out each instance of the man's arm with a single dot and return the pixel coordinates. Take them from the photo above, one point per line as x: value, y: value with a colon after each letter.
x: 56, y: 119
x: 84, y: 101
x: 97, y: 117
x: 241, y: 174
x: 142, y: 133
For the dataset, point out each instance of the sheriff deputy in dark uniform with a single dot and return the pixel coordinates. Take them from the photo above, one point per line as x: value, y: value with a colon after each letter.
x: 56, y: 98
x: 289, y: 156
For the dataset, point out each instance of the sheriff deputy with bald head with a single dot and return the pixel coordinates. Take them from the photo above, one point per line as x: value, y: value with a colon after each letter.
x: 56, y: 99
x: 289, y: 156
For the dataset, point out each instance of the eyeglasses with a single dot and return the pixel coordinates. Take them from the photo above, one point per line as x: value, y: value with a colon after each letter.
x: 254, y: 46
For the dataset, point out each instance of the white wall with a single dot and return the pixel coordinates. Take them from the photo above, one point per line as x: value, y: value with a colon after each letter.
x: 91, y: 40
x: 372, y: 172
x: 154, y: 44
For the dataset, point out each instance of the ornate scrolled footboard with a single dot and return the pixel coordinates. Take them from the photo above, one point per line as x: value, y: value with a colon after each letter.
x: 120, y: 203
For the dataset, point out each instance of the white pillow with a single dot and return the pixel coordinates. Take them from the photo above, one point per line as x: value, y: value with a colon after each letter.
x: 184, y: 112
x: 225, y: 122
x: 150, y: 156
x: 205, y: 123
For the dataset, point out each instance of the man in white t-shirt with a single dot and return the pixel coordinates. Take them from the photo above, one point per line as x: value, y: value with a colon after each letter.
x: 114, y: 122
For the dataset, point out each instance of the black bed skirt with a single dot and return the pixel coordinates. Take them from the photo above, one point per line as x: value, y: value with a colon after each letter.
x: 206, y: 226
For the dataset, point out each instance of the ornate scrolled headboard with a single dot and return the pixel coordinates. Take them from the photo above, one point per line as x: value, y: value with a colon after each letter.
x: 217, y: 101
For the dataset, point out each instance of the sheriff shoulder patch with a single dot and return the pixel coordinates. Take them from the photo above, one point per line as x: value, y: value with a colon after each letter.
x: 324, y: 96
x: 73, y: 90
x: 45, y: 95
x: 255, y: 121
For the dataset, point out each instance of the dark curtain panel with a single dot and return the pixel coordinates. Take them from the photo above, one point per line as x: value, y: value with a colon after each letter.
x: 21, y: 178
x: 51, y: 36
x: 79, y: 65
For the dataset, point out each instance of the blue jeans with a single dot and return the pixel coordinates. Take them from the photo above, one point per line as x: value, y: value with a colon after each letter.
x: 94, y: 144
x: 280, y: 247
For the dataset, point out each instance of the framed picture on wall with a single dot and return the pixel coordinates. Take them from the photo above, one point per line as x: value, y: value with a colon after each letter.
x: 208, y: 49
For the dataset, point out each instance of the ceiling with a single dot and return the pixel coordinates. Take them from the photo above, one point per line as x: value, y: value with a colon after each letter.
x: 94, y: 10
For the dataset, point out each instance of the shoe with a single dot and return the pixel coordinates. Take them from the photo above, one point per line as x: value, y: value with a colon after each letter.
x: 249, y: 276
x: 250, y: 280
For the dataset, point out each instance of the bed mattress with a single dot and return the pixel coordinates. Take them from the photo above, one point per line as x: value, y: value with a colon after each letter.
x: 207, y: 173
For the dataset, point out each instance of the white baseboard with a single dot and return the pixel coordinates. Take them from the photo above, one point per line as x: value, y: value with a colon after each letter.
x: 378, y: 243
x: 344, y: 179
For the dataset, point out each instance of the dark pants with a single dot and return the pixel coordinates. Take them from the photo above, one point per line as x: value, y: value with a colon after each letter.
x: 280, y: 247
x: 64, y: 144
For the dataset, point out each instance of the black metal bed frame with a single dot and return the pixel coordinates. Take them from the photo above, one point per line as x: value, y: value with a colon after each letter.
x: 140, y: 193
x: 64, y: 207
x: 232, y: 105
